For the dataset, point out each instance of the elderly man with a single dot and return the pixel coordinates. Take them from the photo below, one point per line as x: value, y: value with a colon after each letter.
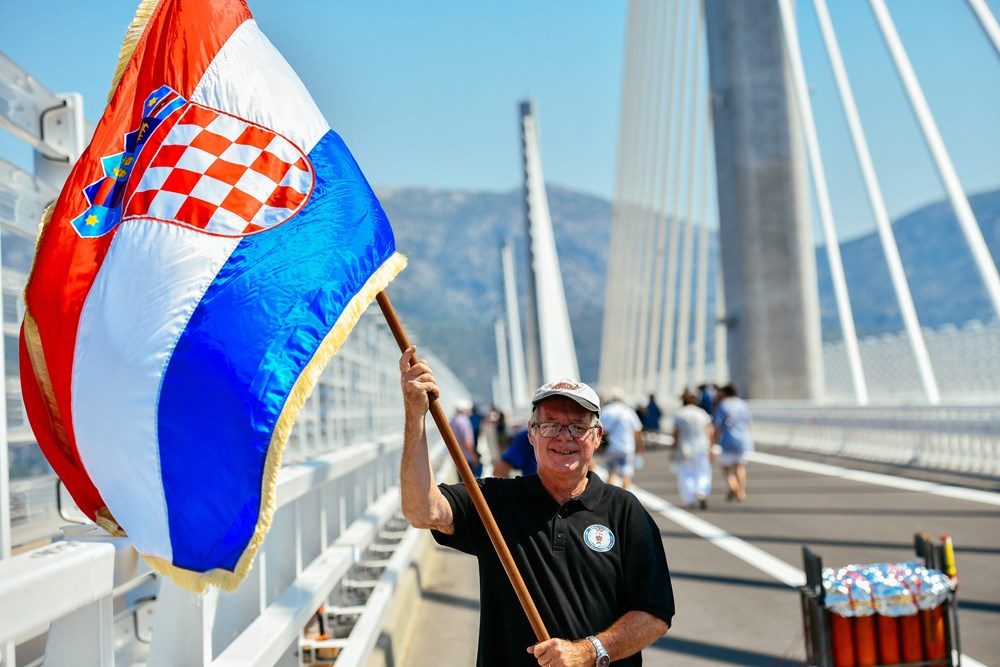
x: 591, y: 556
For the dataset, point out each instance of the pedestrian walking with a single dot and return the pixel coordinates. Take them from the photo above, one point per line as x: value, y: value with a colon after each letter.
x: 692, y: 452
x: 732, y: 433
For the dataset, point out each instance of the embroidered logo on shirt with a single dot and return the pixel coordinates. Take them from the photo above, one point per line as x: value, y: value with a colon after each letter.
x: 599, y: 538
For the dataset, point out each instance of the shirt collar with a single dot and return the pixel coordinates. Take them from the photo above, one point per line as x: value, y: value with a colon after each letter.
x: 590, y: 498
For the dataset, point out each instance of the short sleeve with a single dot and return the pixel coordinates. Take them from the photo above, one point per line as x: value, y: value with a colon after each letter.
x: 647, y: 584
x: 468, y: 525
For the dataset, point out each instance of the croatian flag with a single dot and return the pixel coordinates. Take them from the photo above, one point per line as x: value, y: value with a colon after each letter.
x: 211, y: 250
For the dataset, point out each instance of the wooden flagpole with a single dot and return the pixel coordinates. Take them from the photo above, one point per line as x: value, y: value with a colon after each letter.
x: 465, y: 472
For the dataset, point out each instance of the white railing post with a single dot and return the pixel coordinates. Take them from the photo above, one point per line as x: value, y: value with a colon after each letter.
x: 83, y: 637
x: 182, y: 627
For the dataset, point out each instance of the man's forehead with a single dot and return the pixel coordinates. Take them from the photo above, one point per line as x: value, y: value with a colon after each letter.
x: 561, y: 405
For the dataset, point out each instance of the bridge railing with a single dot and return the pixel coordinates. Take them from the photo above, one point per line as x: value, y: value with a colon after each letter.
x: 962, y: 438
x: 336, y: 530
x: 965, y: 359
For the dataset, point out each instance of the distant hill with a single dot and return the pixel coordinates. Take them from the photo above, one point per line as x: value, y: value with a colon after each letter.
x: 451, y: 293
x: 942, y: 276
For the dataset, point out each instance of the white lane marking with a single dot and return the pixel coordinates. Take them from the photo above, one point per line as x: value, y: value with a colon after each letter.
x: 745, y: 551
x: 972, y: 495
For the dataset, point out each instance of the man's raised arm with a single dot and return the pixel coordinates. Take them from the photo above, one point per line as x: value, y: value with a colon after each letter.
x: 424, y: 506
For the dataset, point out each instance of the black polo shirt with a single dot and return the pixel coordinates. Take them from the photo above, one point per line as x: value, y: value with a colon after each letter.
x: 585, y: 563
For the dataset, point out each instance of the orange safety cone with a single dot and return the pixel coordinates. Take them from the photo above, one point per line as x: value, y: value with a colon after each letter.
x: 888, y: 640
x: 909, y: 633
x: 934, y: 640
x: 864, y: 641
x: 842, y: 641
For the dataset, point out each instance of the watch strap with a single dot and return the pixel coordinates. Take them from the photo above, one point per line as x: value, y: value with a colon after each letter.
x: 599, y: 648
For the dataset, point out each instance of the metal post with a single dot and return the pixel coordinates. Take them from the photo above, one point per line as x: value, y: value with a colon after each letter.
x: 988, y: 21
x: 687, y: 253
x: 518, y: 379
x: 966, y: 219
x: 701, y: 288
x: 612, y: 330
x: 646, y: 370
x: 888, y: 240
x: 676, y: 153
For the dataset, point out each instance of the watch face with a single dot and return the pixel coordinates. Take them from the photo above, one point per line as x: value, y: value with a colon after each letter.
x: 604, y: 660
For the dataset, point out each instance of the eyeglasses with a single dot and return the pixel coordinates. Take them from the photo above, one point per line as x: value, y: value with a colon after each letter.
x: 552, y: 430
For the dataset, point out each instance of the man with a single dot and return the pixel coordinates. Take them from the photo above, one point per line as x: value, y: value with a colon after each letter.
x: 651, y: 419
x: 732, y: 433
x: 706, y: 399
x: 461, y: 426
x: 624, y: 445
x: 590, y: 555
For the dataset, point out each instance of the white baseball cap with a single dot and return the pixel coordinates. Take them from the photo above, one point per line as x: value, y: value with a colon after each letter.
x: 577, y: 391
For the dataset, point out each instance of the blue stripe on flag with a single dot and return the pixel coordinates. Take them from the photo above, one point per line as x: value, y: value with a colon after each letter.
x: 255, y: 330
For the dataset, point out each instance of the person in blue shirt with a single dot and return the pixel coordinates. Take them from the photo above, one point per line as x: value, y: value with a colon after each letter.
x: 706, y: 399
x: 651, y: 418
x: 519, y: 455
x: 732, y: 433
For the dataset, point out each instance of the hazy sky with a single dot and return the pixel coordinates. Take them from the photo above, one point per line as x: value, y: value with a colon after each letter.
x: 425, y: 93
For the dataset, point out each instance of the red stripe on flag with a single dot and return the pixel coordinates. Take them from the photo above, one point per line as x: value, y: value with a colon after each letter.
x: 177, y: 46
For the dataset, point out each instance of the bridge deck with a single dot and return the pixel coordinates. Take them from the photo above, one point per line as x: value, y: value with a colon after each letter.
x: 733, y: 611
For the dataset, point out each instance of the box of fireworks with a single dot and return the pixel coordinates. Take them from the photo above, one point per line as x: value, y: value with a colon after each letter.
x: 883, y: 614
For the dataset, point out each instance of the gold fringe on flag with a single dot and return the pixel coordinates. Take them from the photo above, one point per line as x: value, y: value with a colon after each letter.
x: 146, y: 10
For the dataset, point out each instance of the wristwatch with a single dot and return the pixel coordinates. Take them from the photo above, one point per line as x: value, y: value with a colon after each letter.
x: 603, y: 659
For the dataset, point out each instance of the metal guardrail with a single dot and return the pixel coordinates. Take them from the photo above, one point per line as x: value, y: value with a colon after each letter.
x: 322, y: 530
x: 961, y: 438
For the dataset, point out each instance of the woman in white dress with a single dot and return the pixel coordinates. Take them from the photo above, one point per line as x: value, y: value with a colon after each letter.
x: 692, y: 452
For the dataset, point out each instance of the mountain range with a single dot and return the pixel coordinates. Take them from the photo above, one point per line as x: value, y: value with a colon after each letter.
x: 451, y: 292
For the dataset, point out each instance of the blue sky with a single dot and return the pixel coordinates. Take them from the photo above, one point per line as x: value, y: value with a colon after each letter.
x: 426, y: 93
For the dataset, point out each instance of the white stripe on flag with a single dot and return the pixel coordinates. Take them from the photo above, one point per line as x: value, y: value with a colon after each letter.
x: 151, y: 280
x: 251, y: 80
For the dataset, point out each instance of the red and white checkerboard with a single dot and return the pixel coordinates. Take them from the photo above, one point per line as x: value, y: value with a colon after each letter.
x: 221, y: 174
